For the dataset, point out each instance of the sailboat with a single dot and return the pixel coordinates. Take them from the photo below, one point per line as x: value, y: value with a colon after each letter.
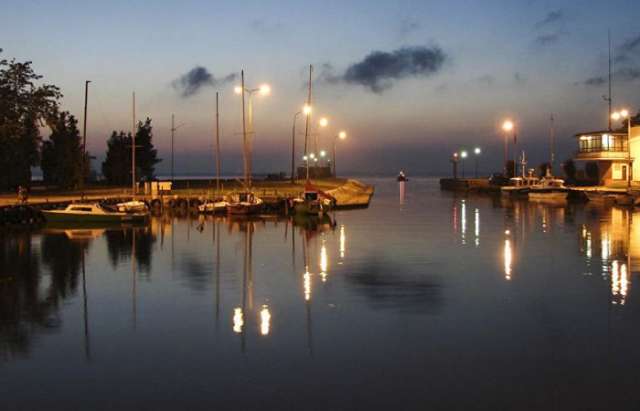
x: 549, y: 188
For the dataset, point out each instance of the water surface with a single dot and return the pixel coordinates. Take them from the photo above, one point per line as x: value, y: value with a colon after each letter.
x: 442, y: 302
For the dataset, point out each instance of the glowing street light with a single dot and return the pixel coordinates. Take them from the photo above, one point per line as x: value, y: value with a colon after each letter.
x: 341, y: 135
x: 507, y: 126
x: 477, y: 152
x: 323, y: 122
x: 463, y: 155
x: 619, y: 115
x: 454, y: 163
x: 306, y: 109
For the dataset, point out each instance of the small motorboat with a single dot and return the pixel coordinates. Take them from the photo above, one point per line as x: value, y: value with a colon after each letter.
x: 313, y: 201
x: 92, y: 213
x: 244, y: 203
x: 518, y: 187
x: 549, y: 189
x: 213, y: 206
x: 402, y: 177
x: 133, y: 206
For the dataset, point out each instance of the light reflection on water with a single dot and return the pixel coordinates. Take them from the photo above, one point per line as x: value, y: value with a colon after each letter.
x: 508, y: 299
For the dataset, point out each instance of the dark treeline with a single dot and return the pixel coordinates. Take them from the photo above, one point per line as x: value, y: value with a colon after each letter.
x: 27, y: 106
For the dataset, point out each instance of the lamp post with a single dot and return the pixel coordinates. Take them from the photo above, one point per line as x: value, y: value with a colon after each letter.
x: 477, y: 152
x: 263, y: 90
x: 341, y: 135
x: 454, y: 163
x: 507, y: 126
x: 624, y: 114
x: 293, y: 147
x: 463, y: 155
x: 323, y: 122
x: 173, y: 132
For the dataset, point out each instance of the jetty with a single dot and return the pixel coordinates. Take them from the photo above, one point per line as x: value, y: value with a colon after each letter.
x: 186, y: 195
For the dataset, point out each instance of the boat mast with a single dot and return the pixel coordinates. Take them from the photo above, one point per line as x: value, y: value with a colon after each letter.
x: 247, y: 182
x: 610, y: 98
x: 552, y: 142
x: 308, y: 120
x: 84, y: 135
x: 217, y: 145
x: 133, y: 146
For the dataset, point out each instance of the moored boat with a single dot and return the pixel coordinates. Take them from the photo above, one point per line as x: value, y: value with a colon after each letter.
x: 549, y: 189
x: 133, y: 206
x: 92, y: 213
x: 244, y: 203
x: 313, y: 201
x: 518, y: 187
x: 213, y: 206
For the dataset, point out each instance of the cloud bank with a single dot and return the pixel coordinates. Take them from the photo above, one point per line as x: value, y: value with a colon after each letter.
x: 197, y: 78
x: 380, y: 69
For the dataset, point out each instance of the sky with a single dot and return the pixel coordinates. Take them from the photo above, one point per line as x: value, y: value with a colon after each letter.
x: 409, y: 81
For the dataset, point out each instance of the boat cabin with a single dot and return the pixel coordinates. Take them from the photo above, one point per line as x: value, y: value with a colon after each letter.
x: 311, y: 196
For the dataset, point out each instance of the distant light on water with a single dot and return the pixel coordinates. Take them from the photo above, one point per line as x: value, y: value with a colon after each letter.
x: 265, y: 320
x: 508, y: 259
x: 307, y: 285
x: 324, y: 262
x: 343, y: 241
x: 238, y: 320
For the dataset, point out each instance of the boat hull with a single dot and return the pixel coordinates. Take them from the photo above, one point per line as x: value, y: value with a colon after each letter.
x: 548, y: 195
x: 244, y: 209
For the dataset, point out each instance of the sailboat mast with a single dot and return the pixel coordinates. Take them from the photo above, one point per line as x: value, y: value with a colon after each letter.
x: 133, y: 146
x: 552, y: 144
x: 244, y: 135
x: 217, y: 145
x: 308, y: 119
x: 610, y: 94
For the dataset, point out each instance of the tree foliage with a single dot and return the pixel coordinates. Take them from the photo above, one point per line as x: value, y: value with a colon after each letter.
x: 62, y: 154
x: 24, y: 106
x: 116, y: 167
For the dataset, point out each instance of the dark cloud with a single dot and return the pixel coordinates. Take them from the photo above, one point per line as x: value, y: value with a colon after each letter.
x: 551, y: 19
x: 379, y: 69
x: 547, y: 39
x: 629, y: 49
x: 625, y: 74
x: 198, y: 77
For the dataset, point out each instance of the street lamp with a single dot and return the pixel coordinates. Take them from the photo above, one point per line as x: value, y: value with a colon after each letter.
x: 454, y: 163
x: 477, y: 152
x: 508, y: 127
x: 323, y: 122
x: 624, y: 114
x: 463, y: 155
x: 341, y: 135
x: 263, y: 90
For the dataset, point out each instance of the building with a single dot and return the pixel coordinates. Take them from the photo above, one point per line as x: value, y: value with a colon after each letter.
x: 610, y: 152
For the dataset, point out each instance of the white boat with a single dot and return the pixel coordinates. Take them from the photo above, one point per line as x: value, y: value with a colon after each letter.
x: 244, y: 203
x: 519, y: 187
x: 133, y: 206
x: 550, y: 189
x: 92, y: 213
x: 212, y: 207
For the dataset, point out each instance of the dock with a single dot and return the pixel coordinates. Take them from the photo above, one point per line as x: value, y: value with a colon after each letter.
x: 276, y: 196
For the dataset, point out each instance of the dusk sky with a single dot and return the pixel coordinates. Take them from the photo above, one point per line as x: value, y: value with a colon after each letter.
x: 459, y: 68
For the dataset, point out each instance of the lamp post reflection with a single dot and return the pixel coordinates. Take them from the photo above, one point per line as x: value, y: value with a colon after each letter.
x: 265, y: 320
x: 343, y: 241
x: 507, y: 256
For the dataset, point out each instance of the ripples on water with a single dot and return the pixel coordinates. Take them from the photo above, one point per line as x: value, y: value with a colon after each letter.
x: 441, y: 301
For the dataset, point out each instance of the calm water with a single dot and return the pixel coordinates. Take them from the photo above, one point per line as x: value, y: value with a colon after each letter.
x: 444, y: 302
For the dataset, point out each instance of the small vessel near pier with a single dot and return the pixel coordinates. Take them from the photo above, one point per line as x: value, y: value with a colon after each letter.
x: 92, y: 213
x: 244, y: 203
x: 549, y: 189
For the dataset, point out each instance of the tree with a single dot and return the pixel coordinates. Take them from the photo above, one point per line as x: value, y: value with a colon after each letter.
x: 116, y: 167
x: 146, y: 155
x: 569, y: 168
x: 62, y: 155
x: 24, y: 106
